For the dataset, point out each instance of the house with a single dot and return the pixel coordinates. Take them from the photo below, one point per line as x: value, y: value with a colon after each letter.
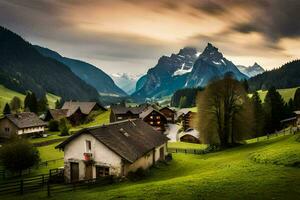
x: 293, y: 121
x: 188, y: 120
x: 114, y: 149
x: 76, y: 112
x: 169, y: 114
x: 55, y: 114
x: 121, y: 113
x: 154, y: 118
x: 180, y: 113
x: 190, y: 135
x: 21, y: 124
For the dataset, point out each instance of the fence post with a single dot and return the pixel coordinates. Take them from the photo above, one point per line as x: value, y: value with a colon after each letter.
x: 185, y: 151
x: 43, y: 180
x: 194, y: 151
x: 48, y: 189
x: 21, y: 187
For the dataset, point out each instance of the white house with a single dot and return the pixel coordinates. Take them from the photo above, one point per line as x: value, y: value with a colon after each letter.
x: 113, y: 149
x: 21, y: 124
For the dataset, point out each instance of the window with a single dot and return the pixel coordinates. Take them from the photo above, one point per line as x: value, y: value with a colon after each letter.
x: 102, y: 171
x: 120, y: 117
x: 6, y: 129
x: 151, y: 122
x: 157, y: 117
x: 88, y: 146
x: 158, y: 122
x: 151, y: 117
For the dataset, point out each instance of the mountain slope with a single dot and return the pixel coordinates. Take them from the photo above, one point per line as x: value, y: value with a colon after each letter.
x: 251, y: 70
x: 23, y: 68
x: 185, y: 70
x: 125, y: 81
x: 211, y: 65
x: 165, y: 78
x: 87, y: 72
x: 287, y: 76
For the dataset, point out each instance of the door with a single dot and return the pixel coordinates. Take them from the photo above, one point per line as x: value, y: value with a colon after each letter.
x: 88, y: 171
x: 74, y: 172
x: 161, y: 153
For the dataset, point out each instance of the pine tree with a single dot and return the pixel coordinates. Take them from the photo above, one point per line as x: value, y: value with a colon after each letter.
x: 57, y: 104
x: 297, y: 99
x: 274, y: 109
x: 6, y: 109
x: 43, y: 104
x: 259, y: 115
x: 15, y: 104
x: 33, y: 103
x: 27, y: 101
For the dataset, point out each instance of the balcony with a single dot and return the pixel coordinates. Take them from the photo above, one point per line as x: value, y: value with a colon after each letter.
x: 87, y: 156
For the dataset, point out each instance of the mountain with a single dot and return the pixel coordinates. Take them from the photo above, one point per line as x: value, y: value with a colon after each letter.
x: 125, y: 81
x: 187, y: 69
x: 87, y: 72
x: 251, y: 70
x: 211, y: 65
x: 23, y: 68
x: 167, y: 76
x: 287, y: 76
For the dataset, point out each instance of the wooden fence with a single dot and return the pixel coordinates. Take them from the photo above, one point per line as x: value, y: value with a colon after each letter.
x: 28, y: 185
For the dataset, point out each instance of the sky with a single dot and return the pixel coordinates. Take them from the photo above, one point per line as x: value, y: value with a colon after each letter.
x: 131, y: 35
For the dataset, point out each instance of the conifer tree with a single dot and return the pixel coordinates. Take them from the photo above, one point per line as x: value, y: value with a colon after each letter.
x: 6, y: 109
x: 258, y: 114
x: 297, y: 99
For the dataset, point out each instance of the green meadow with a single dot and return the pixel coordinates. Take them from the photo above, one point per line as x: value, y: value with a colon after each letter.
x: 264, y: 170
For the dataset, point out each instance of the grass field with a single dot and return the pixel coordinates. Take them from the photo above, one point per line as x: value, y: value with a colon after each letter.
x: 229, y: 174
x: 6, y: 95
x: 185, y: 145
x: 285, y: 93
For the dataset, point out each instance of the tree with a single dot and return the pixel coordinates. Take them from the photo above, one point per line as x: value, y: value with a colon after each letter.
x: 274, y: 110
x: 6, y: 109
x: 225, y: 114
x: 19, y: 155
x: 246, y: 85
x: 258, y: 114
x: 15, y: 104
x: 64, y: 127
x: 182, y: 102
x: 30, y: 102
x: 53, y: 125
x: 43, y: 104
x: 297, y: 99
x: 57, y: 104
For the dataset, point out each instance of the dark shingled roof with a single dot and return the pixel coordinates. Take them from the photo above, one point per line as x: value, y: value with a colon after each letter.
x: 167, y: 108
x: 130, y: 139
x: 85, y: 107
x: 58, y: 113
x: 25, y: 120
x: 117, y: 109
x: 149, y: 110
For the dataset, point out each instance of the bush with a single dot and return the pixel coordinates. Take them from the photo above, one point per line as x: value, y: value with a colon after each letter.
x: 64, y: 127
x: 53, y: 125
x: 139, y: 174
x: 19, y: 155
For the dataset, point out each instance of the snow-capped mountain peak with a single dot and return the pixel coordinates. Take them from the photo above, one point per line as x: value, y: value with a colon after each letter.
x: 251, y: 70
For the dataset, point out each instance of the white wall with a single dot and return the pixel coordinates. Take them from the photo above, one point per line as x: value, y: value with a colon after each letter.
x: 101, y: 154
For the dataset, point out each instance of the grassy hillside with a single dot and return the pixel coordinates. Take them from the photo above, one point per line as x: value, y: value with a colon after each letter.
x: 285, y: 93
x: 230, y: 174
x: 6, y: 95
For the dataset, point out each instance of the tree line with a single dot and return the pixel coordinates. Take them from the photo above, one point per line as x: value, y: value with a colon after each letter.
x: 227, y: 115
x: 31, y: 104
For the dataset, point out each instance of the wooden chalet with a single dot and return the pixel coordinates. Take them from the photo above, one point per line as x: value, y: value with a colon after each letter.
x: 169, y: 114
x: 76, y: 112
x: 293, y: 121
x: 154, y: 118
x: 120, y: 113
x: 21, y: 124
x: 190, y: 136
x: 188, y: 120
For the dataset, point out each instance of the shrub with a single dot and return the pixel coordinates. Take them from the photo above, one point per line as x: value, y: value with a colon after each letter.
x: 64, y: 127
x: 139, y: 174
x: 53, y: 125
x: 19, y: 155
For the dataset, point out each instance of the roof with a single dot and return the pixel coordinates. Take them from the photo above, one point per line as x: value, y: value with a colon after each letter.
x: 167, y: 109
x: 192, y: 132
x: 297, y: 112
x: 58, y: 113
x: 288, y: 120
x: 25, y: 120
x: 85, y: 107
x: 149, y: 110
x: 118, y: 109
x: 130, y: 139
x: 183, y: 111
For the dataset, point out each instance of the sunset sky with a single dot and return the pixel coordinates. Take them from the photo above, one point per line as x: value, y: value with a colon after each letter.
x: 130, y: 35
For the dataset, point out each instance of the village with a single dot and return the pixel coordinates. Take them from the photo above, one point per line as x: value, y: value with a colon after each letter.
x: 135, y: 137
